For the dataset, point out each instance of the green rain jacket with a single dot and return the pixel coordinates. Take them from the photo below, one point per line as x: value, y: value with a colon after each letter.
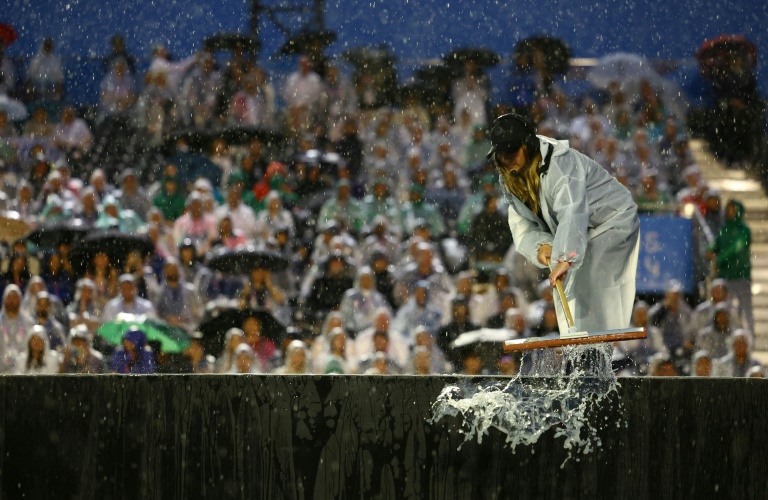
x: 731, y: 247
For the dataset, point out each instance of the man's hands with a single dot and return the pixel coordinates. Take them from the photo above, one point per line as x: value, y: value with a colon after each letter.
x: 561, y: 269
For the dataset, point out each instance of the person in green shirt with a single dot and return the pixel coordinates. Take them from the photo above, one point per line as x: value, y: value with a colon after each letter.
x: 379, y: 201
x: 170, y: 200
x: 418, y: 209
x: 343, y: 208
x: 477, y: 148
x: 473, y: 205
x: 731, y: 254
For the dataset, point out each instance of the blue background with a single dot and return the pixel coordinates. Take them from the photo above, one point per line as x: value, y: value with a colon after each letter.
x: 415, y: 29
x: 666, y: 253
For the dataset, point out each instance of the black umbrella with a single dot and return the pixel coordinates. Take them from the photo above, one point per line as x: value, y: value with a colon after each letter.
x: 243, y: 261
x: 214, y: 329
x: 232, y: 42
x: 51, y: 235
x: 117, y: 245
x: 481, y: 56
x: 556, y: 53
x: 369, y: 57
x: 198, y: 139
x: 307, y: 42
x: 244, y: 134
x: 437, y: 74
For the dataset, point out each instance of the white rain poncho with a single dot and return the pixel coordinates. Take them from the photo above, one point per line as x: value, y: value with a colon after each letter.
x: 590, y: 220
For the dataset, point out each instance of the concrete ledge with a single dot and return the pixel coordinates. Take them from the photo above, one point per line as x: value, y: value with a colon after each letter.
x: 186, y: 437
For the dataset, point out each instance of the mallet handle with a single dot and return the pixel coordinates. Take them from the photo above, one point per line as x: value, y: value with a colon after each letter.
x: 563, y: 300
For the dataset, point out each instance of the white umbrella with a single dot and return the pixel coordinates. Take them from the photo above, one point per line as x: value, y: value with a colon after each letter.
x: 484, y: 335
x: 15, y: 109
x: 629, y: 71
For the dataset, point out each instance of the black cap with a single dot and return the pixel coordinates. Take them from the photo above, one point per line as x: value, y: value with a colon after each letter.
x: 509, y: 132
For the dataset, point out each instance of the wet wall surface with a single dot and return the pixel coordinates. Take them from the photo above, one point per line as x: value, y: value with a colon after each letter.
x: 317, y: 437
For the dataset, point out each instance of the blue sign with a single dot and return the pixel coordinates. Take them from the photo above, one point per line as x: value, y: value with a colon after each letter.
x: 666, y: 253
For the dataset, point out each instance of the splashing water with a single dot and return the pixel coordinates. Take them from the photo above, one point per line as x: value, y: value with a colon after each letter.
x: 557, y: 395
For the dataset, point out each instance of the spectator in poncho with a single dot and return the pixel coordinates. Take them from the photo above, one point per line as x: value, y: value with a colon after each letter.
x: 731, y: 252
x: 38, y: 358
x: 359, y: 303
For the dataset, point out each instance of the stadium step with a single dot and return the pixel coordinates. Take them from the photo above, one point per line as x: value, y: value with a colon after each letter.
x: 738, y: 185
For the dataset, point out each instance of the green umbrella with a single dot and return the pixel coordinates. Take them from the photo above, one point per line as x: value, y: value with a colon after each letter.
x: 172, y: 339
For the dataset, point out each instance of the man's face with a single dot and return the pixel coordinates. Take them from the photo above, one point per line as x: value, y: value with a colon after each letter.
x: 381, y: 323
x: 128, y: 291
x: 80, y: 344
x: 460, y: 312
x: 297, y: 359
x: 244, y: 362
x: 252, y: 329
x: 171, y: 274
x: 421, y: 297
x: 366, y: 282
x: 740, y: 348
x: 719, y: 294
x: 722, y: 321
x: 196, y: 209
x: 130, y: 184
x: 422, y: 362
x: 43, y: 307
x: 12, y: 302
x: 36, y: 344
x: 380, y: 343
x: 703, y: 367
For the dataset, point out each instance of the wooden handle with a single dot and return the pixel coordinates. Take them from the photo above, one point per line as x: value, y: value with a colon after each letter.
x: 563, y: 300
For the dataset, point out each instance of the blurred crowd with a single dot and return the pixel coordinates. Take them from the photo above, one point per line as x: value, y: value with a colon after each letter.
x: 389, y: 223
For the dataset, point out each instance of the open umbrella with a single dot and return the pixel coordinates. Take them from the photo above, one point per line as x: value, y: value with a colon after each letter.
x: 243, y: 134
x: 491, y: 335
x: 715, y: 55
x: 307, y: 42
x: 14, y: 109
x: 232, y: 42
x: 555, y: 51
x: 12, y: 226
x: 8, y: 34
x: 368, y: 57
x: 480, y: 55
x: 727, y: 44
x: 244, y: 260
x: 215, y: 328
x: 171, y: 338
x: 51, y: 235
x: 628, y: 70
x: 115, y: 244
x: 198, y: 139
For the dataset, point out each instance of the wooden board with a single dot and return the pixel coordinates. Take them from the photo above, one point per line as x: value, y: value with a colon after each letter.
x: 551, y: 341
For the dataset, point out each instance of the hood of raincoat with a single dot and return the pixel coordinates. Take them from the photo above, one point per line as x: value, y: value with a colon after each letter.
x: 136, y: 337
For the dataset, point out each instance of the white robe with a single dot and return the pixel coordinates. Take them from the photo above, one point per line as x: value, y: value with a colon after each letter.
x: 590, y: 220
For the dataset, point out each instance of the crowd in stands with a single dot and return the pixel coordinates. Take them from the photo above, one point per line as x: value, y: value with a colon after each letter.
x: 391, y: 221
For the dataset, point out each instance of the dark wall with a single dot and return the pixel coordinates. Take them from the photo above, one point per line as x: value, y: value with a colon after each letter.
x: 416, y: 30
x: 271, y: 437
